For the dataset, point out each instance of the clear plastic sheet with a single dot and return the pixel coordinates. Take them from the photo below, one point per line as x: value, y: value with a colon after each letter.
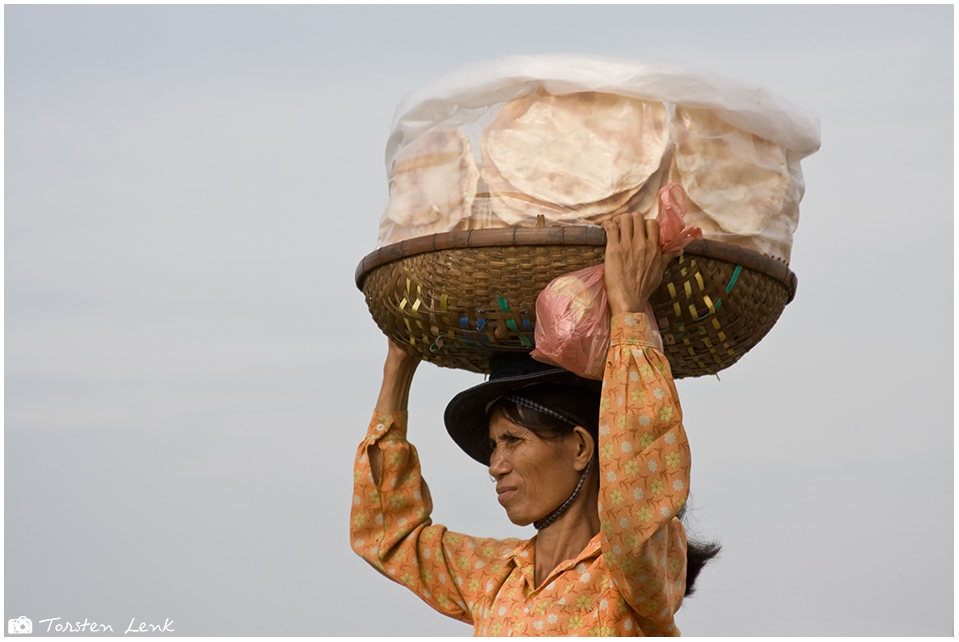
x: 575, y: 140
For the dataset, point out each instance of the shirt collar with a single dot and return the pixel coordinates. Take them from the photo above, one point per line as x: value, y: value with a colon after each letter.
x: 524, y: 557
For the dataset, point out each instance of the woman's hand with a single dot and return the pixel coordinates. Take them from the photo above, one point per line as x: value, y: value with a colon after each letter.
x: 634, y: 262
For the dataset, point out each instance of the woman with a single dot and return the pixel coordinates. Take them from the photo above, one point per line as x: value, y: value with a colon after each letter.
x: 601, y: 473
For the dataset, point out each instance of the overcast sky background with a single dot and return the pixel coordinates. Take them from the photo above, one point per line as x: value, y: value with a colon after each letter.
x: 189, y: 366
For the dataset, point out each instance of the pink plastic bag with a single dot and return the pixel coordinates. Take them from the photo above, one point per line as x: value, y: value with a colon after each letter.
x: 572, y: 322
x: 572, y: 314
x: 672, y: 208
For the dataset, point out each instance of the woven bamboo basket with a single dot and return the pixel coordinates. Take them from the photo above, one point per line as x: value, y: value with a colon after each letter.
x: 457, y: 298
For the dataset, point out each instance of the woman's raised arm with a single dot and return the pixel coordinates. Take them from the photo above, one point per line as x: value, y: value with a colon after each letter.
x: 390, y: 525
x: 643, y: 452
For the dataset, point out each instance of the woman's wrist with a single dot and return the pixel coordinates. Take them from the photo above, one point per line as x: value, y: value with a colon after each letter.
x: 398, y: 367
x: 623, y: 307
x: 398, y: 358
x: 397, y: 379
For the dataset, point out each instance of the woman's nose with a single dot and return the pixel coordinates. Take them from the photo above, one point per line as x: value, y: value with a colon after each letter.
x: 498, y: 466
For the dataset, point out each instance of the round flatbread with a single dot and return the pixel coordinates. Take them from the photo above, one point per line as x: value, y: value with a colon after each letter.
x: 518, y: 208
x: 646, y: 199
x: 775, y: 240
x: 434, y: 181
x: 577, y: 149
x: 739, y: 179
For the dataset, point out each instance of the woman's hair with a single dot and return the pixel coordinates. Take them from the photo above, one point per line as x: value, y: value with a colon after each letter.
x: 698, y: 555
x: 583, y: 405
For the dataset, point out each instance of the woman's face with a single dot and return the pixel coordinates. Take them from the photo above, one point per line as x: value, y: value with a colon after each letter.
x: 533, y: 475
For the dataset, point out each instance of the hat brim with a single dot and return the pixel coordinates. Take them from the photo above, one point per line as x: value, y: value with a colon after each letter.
x: 465, y: 416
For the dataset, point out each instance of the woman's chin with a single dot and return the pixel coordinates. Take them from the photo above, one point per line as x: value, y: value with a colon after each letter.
x: 518, y: 518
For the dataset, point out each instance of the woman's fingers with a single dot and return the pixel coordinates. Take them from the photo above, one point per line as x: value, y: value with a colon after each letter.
x: 612, y: 232
x: 639, y: 226
x: 652, y: 230
x: 625, y: 228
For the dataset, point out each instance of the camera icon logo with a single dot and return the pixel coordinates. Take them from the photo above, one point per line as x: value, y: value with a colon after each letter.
x: 19, y: 625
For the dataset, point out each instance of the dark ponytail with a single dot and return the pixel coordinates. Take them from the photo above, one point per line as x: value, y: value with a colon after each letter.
x: 698, y: 554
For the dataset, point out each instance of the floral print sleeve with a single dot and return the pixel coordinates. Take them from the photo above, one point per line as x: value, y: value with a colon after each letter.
x: 391, y: 529
x: 644, y: 474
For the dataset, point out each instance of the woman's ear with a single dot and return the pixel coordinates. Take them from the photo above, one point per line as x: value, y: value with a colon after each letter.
x: 585, y: 446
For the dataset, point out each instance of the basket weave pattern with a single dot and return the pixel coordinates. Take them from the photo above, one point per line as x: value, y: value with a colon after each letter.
x: 711, y: 312
x: 457, y: 306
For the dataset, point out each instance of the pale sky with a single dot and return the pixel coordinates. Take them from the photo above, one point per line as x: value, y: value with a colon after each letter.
x: 189, y: 367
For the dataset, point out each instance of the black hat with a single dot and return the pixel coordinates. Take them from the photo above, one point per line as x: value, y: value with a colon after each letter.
x: 466, y: 417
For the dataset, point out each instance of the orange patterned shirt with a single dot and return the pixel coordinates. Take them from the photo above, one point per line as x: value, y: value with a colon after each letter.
x: 630, y: 578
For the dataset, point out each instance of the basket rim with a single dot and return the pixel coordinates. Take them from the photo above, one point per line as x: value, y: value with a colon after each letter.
x: 563, y: 235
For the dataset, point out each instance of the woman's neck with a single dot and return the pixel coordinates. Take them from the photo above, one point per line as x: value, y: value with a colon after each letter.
x: 566, y: 538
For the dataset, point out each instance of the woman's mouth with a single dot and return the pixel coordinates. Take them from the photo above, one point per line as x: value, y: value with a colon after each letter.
x: 504, y: 493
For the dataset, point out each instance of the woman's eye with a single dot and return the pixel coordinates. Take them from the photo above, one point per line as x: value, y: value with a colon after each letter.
x: 504, y: 440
